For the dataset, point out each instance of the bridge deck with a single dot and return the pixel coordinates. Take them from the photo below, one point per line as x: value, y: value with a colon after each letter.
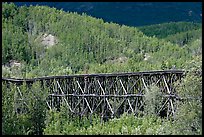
x: 155, y: 72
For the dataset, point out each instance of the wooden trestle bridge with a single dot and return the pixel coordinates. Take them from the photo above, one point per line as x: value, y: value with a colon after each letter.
x: 108, y: 95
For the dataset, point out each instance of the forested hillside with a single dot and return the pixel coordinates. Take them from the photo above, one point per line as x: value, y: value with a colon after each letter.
x: 42, y: 41
x: 171, y: 28
x: 84, y: 44
x: 132, y: 13
x: 180, y: 33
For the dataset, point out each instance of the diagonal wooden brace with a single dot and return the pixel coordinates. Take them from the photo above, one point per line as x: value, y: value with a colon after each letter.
x: 172, y: 107
x: 106, y: 98
x: 64, y: 97
x: 126, y: 94
x: 85, y: 98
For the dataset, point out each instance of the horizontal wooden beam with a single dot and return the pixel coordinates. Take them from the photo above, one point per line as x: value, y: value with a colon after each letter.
x: 109, y: 95
x: 157, y: 72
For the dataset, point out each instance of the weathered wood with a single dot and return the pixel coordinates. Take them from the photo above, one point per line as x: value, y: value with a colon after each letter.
x: 172, y: 107
x: 179, y: 72
x: 107, y: 94
x: 64, y: 98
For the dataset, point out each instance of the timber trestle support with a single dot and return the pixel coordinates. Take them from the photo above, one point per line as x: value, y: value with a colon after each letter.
x: 108, y: 95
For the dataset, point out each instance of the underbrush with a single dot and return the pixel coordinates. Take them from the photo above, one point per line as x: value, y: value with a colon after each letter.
x: 29, y: 115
